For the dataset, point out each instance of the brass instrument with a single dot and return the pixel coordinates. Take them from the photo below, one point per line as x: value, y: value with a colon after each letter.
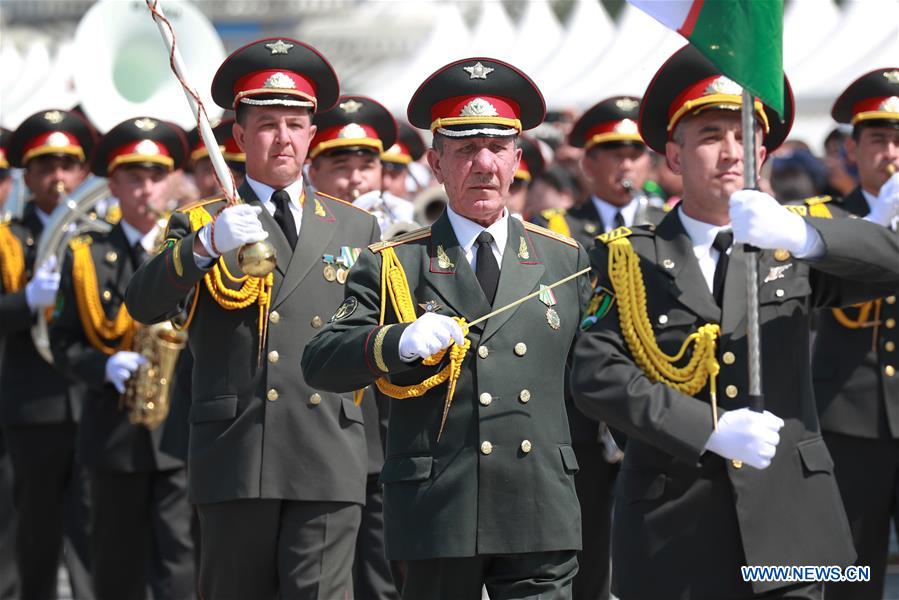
x: 73, y: 216
x: 147, y: 392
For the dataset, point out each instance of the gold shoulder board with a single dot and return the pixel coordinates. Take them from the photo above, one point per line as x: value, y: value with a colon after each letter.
x: 615, y: 234
x: 549, y: 233
x: 411, y: 236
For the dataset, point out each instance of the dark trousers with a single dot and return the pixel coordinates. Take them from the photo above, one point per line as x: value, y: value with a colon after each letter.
x: 594, y: 482
x: 372, y: 575
x: 140, y: 535
x: 9, y: 576
x: 867, y: 472
x: 526, y: 576
x: 51, y: 500
x: 265, y: 549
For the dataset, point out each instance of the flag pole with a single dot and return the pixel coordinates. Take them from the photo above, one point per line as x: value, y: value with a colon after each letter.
x: 753, y: 331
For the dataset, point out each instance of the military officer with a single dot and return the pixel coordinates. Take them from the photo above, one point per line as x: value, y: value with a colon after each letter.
x: 276, y: 466
x: 616, y: 165
x: 140, y: 517
x: 38, y: 410
x: 200, y: 166
x: 531, y: 165
x: 345, y: 155
x: 854, y: 359
x: 478, y: 479
x: 707, y: 484
x: 395, y: 160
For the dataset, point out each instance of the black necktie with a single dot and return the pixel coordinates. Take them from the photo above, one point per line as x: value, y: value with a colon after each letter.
x: 138, y: 255
x: 619, y: 219
x: 722, y: 244
x: 487, y: 270
x: 284, y: 217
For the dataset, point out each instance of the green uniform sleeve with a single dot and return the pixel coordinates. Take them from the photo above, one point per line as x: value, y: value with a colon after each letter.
x: 353, y: 350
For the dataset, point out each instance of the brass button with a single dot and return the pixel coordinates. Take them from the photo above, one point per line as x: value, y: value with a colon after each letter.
x: 891, y: 299
x: 273, y: 356
x: 526, y: 446
x: 889, y: 346
x: 483, y: 352
x: 317, y: 322
x: 738, y: 464
x: 315, y: 399
x: 485, y: 399
x: 107, y: 295
x: 111, y: 256
x: 663, y: 319
x: 781, y: 254
x: 728, y: 358
x: 274, y: 317
x: 891, y: 323
x: 730, y: 391
x: 524, y: 396
x: 521, y: 349
x: 668, y: 263
x: 779, y: 293
x: 486, y: 447
x: 272, y: 394
x: 29, y: 241
x: 889, y: 370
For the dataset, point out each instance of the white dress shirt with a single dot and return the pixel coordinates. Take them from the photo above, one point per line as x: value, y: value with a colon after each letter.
x: 147, y: 240
x: 264, y: 193
x: 608, y: 211
x: 467, y: 233
x: 702, y: 235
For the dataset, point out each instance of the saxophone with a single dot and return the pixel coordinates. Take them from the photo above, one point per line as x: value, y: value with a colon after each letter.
x: 148, y: 390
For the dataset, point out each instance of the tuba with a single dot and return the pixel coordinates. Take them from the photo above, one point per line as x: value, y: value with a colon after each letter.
x: 128, y: 73
x: 74, y: 215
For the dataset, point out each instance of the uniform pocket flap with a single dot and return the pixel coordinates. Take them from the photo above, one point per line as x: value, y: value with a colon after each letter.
x: 640, y: 485
x: 815, y: 456
x: 406, y: 468
x: 351, y: 411
x: 569, y: 459
x: 217, y: 408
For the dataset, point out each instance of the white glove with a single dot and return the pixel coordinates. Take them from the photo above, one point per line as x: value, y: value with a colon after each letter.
x: 427, y: 335
x: 40, y: 292
x: 745, y: 435
x: 760, y: 220
x: 122, y: 366
x: 886, y: 207
x: 235, y: 226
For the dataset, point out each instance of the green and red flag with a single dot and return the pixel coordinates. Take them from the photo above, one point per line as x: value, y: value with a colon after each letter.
x: 742, y: 38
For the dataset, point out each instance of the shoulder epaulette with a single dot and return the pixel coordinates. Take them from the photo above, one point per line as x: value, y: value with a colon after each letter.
x: 80, y: 240
x: 549, y: 213
x: 550, y: 234
x: 399, y: 240
x: 189, y: 207
x: 615, y: 234
x: 336, y: 199
x: 815, y: 200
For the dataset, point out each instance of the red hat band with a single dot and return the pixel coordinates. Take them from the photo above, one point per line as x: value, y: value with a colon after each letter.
x: 275, y: 81
x: 140, y: 151
x: 884, y: 107
x: 53, y: 142
x: 622, y: 130
x: 476, y: 109
x: 716, y: 92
